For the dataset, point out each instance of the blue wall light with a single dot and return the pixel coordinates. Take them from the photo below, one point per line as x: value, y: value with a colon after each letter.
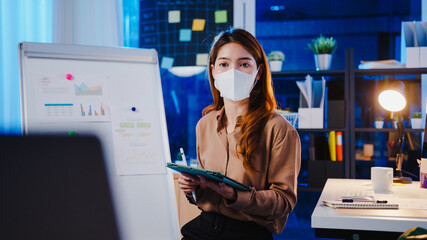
x: 20, y: 20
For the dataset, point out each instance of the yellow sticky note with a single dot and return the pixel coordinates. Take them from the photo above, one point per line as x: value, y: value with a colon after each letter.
x: 202, y: 59
x: 174, y: 16
x: 198, y: 24
x: 221, y: 16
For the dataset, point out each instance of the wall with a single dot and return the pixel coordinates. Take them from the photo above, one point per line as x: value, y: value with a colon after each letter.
x: 424, y: 10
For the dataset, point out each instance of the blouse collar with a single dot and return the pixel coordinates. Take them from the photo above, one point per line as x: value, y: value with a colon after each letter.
x: 222, y: 120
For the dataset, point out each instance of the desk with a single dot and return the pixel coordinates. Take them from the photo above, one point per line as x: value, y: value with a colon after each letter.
x: 329, y: 222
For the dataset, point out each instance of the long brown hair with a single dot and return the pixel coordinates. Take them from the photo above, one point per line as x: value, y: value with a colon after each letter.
x: 261, y: 100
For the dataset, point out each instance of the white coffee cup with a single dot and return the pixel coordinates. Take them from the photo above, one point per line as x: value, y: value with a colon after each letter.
x: 382, y: 179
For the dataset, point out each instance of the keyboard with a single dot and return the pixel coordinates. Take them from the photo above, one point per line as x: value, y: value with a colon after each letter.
x: 358, y: 195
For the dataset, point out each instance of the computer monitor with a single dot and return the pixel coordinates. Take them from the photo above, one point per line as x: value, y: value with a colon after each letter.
x: 54, y: 187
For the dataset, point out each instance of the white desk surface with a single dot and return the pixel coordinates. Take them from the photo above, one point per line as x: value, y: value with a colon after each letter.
x: 329, y: 218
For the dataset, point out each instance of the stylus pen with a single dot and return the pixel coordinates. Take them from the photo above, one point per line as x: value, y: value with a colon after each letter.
x: 185, y: 162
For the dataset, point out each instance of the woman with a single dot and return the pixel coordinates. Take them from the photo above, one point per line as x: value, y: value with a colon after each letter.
x: 243, y: 137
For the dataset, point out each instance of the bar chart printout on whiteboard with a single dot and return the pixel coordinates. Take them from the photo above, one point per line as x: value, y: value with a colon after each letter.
x: 83, y: 98
x: 137, y: 147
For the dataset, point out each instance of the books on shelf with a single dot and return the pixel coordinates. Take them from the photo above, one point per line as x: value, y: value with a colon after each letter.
x: 311, y: 147
x: 335, y: 145
x: 332, y: 146
x: 318, y: 147
x: 328, y: 147
x: 339, y: 146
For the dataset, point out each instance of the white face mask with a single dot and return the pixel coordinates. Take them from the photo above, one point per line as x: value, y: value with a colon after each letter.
x: 234, y: 84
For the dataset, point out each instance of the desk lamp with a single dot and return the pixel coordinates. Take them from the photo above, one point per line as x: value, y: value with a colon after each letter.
x: 393, y: 100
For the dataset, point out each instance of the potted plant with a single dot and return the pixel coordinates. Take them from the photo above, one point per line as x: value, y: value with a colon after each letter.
x: 323, y: 48
x: 416, y: 120
x: 379, y: 122
x: 275, y: 59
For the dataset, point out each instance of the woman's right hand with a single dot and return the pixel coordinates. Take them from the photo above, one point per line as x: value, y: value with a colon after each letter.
x: 188, y: 183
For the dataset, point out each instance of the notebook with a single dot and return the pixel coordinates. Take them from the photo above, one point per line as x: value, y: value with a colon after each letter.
x: 54, y: 188
x: 361, y: 205
x: 213, y: 175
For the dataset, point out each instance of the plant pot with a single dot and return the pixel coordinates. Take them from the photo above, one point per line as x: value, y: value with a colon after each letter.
x: 275, y: 66
x: 417, y: 123
x: 323, y: 61
x: 379, y: 124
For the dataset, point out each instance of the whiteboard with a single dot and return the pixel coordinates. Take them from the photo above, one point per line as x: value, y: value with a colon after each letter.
x: 115, y: 94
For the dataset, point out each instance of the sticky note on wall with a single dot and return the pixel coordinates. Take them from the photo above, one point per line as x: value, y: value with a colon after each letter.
x: 167, y: 62
x: 185, y: 35
x: 198, y: 24
x: 202, y: 59
x: 174, y: 16
x: 221, y: 16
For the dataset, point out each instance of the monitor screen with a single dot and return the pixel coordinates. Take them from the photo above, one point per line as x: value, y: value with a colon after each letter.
x: 54, y: 188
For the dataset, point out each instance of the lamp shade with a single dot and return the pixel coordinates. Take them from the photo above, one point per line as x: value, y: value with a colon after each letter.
x: 187, y: 71
x: 392, y: 100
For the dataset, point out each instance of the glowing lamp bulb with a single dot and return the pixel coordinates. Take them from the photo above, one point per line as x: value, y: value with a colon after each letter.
x: 392, y: 100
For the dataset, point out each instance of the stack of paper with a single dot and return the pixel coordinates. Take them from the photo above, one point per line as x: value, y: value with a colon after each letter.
x: 312, y: 97
x: 312, y: 91
x: 414, y: 44
x: 380, y: 64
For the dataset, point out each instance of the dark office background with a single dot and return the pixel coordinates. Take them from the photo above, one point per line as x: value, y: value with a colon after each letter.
x: 371, y: 27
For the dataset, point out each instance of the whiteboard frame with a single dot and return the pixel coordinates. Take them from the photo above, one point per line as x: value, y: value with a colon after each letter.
x: 244, y: 15
x: 30, y: 50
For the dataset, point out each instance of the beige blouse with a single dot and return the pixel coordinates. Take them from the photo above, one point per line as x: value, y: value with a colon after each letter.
x: 277, y: 161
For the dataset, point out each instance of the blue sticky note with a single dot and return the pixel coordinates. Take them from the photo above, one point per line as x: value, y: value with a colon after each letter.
x: 185, y: 35
x: 167, y: 62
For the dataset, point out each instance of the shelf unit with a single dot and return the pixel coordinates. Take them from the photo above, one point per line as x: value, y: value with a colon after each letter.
x: 357, y: 77
x: 340, y: 81
x: 385, y: 130
x: 321, y: 130
x: 350, y: 76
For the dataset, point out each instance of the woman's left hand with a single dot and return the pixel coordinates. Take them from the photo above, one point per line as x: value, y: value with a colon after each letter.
x: 223, y: 189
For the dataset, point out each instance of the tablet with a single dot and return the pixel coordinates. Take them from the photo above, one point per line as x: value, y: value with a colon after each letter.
x: 213, y: 175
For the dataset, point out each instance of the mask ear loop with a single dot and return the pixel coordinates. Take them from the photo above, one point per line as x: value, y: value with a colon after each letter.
x: 256, y: 80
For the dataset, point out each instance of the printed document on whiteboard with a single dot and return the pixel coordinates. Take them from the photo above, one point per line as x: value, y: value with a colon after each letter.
x: 138, y: 146
x: 78, y: 98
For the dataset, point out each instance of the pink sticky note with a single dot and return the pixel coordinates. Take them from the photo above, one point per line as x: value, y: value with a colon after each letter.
x: 69, y: 76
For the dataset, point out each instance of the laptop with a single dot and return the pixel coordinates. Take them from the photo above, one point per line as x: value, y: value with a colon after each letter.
x: 54, y: 187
